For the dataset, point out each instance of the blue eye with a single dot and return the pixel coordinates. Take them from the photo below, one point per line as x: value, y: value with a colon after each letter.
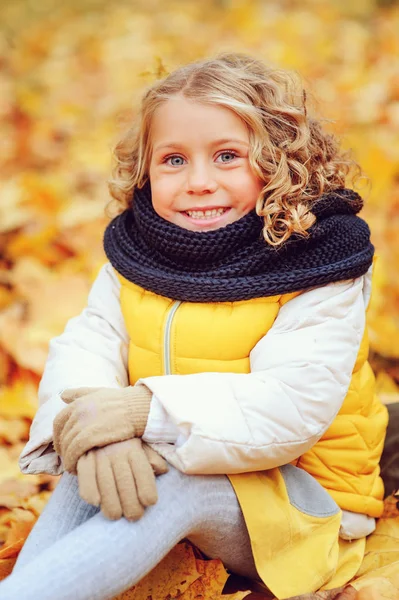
x: 174, y: 158
x: 227, y: 153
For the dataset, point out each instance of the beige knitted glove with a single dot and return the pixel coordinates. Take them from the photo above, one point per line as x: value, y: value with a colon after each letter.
x: 121, y: 478
x: 98, y: 417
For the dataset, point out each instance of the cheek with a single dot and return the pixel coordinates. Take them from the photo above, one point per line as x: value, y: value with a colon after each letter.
x: 159, y: 192
x: 159, y: 204
x: 162, y: 199
x: 249, y: 191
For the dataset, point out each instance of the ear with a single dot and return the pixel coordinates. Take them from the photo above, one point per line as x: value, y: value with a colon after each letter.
x: 72, y: 394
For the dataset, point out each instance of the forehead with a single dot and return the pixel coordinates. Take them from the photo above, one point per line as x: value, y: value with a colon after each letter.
x: 186, y: 121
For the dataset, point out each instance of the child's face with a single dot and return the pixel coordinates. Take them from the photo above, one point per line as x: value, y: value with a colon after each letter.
x: 200, y: 174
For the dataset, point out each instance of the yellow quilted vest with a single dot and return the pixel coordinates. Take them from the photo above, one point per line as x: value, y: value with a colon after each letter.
x: 171, y: 337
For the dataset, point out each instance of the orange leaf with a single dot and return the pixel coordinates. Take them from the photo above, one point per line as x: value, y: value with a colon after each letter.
x: 6, y: 566
x: 211, y: 583
x: 36, y: 503
x: 14, y: 491
x: 12, y: 550
x: 172, y: 576
x: 40, y: 290
x: 17, y: 535
x: 391, y: 507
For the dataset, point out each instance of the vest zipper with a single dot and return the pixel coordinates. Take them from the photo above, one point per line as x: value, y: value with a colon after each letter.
x: 166, y: 340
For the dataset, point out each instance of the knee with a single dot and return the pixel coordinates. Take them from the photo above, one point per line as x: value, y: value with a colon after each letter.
x: 172, y: 483
x: 197, y: 487
x: 197, y: 497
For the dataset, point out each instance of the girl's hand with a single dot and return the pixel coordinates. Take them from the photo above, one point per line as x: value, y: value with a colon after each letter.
x: 121, y: 478
x: 98, y: 417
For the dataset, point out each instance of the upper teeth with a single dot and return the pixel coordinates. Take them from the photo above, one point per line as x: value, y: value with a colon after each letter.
x: 201, y: 214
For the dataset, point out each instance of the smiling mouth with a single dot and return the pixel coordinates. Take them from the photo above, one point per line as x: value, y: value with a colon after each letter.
x: 206, y: 214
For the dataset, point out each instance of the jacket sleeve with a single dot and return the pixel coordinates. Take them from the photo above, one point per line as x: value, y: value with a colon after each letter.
x: 300, y: 374
x: 92, y: 351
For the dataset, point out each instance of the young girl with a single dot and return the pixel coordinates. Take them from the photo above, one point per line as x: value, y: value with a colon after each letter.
x: 227, y: 335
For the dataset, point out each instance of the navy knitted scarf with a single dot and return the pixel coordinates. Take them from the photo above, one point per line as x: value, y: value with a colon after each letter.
x: 234, y: 262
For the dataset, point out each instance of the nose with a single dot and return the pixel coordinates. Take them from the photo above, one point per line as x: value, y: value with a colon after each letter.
x: 200, y: 179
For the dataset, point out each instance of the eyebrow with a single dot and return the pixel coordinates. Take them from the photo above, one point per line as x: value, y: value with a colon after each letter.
x: 215, y: 143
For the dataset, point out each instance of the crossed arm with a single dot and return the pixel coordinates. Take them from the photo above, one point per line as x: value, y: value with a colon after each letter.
x: 300, y: 373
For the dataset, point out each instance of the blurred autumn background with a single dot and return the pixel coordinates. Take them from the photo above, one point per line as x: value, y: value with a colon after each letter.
x: 71, y: 77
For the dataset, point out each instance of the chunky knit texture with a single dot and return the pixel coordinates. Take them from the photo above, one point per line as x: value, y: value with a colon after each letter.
x: 234, y: 262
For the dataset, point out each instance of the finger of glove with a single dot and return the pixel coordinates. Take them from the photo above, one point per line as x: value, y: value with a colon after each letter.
x: 60, y: 424
x: 110, y: 503
x: 83, y: 432
x: 79, y: 441
x: 128, y: 495
x: 81, y: 415
x: 86, y: 470
x: 63, y: 440
x: 158, y: 464
x: 144, y: 476
x: 72, y: 394
x: 73, y: 445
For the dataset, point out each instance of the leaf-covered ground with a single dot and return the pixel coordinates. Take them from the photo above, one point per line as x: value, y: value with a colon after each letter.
x: 71, y: 75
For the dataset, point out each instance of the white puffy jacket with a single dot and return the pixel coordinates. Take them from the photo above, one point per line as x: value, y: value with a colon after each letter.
x: 317, y: 333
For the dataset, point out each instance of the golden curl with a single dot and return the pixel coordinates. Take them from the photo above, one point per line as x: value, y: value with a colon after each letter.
x: 289, y: 151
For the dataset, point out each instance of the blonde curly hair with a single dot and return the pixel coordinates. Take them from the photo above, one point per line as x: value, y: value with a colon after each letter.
x: 289, y: 151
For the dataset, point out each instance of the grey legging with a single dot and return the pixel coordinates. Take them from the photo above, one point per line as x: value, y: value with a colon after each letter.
x: 74, y: 552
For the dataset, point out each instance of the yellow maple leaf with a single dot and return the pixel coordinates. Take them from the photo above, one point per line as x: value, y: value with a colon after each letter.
x: 377, y: 588
x: 8, y: 468
x: 18, y: 401
x: 172, y: 576
x: 210, y: 585
x: 379, y: 572
x: 27, y: 326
